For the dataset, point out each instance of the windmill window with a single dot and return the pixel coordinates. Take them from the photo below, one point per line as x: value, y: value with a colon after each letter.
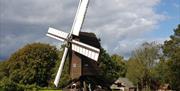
x: 74, y: 65
x: 86, y: 65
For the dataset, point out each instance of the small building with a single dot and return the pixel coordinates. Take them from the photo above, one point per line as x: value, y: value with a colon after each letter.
x: 123, y: 84
x: 165, y: 87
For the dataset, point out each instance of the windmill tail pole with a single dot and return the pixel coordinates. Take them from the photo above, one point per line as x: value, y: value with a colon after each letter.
x: 56, y: 81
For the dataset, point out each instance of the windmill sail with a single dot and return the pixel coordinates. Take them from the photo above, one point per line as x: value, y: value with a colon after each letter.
x: 78, y: 21
x: 58, y: 75
x: 86, y: 50
x: 59, y: 35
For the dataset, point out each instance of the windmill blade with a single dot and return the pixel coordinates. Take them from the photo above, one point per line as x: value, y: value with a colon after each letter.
x: 86, y: 50
x: 58, y: 75
x: 59, y: 35
x: 78, y: 21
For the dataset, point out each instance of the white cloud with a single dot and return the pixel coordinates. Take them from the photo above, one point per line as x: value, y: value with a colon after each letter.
x: 118, y: 23
x: 125, y: 47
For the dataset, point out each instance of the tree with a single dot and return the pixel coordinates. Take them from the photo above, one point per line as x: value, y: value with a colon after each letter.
x: 32, y: 64
x: 171, y: 51
x: 141, y: 64
x: 121, y: 64
x: 112, y: 66
x: 162, y: 72
x: 3, y: 69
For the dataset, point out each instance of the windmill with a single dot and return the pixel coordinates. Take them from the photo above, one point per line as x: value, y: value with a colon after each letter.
x: 71, y: 43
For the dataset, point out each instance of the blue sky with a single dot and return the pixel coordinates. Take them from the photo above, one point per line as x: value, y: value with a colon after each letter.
x: 171, y: 9
x: 122, y: 25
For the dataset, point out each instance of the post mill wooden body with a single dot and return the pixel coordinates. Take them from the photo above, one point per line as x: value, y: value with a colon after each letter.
x: 82, y: 65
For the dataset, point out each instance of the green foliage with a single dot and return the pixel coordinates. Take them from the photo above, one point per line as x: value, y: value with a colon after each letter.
x: 7, y: 85
x: 171, y: 51
x: 141, y: 65
x: 112, y: 67
x: 162, y: 72
x: 120, y: 65
x: 29, y: 67
x: 3, y: 69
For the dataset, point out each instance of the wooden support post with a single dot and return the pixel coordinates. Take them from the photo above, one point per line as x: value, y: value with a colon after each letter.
x: 84, y: 85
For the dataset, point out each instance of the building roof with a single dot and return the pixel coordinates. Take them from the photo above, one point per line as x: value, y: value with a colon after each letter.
x: 122, y: 82
x: 165, y: 87
x: 90, y: 39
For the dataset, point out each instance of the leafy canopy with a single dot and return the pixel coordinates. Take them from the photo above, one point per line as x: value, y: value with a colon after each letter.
x: 32, y: 64
x: 171, y: 51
